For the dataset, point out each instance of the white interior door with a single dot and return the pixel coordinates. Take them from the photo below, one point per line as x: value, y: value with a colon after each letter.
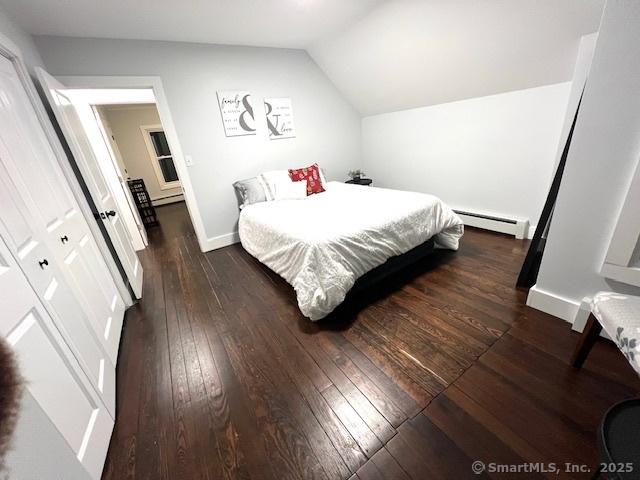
x: 53, y: 376
x: 35, y: 212
x: 135, y: 225
x: 80, y: 145
x: 25, y: 239
x: 34, y: 173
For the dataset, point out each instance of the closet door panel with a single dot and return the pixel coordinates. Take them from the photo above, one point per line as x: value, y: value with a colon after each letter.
x: 14, y: 305
x: 30, y: 162
x: 24, y: 138
x: 106, y: 307
x: 19, y: 232
x: 40, y: 266
x: 51, y: 372
x: 71, y: 125
x: 50, y: 380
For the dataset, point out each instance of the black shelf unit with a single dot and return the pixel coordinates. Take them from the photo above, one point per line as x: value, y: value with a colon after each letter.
x: 143, y: 202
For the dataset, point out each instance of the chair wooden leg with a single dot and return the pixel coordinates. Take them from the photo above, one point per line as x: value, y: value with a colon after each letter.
x: 588, y: 337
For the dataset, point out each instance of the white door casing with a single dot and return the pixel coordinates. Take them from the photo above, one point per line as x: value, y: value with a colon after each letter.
x: 162, y: 104
x: 80, y: 146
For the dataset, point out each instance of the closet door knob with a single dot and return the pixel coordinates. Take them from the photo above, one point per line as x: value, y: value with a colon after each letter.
x: 111, y: 213
x: 43, y: 263
x: 64, y: 239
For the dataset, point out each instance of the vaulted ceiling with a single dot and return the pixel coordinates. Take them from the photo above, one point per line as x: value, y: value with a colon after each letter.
x: 264, y: 23
x: 406, y: 54
x: 383, y: 55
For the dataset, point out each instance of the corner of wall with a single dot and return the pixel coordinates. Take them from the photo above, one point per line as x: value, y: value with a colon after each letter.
x: 220, y: 241
x: 556, y: 305
x: 340, y: 93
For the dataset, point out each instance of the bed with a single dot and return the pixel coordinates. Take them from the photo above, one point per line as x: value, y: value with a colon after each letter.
x: 324, y: 243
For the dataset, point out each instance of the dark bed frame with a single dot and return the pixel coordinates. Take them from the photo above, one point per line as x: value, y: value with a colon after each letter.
x: 382, y: 280
x: 392, y: 266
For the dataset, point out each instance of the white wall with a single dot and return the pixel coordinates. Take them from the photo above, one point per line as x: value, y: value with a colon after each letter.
x: 125, y: 123
x: 580, y: 74
x: 328, y: 128
x: 603, y: 156
x: 491, y: 154
x: 10, y: 29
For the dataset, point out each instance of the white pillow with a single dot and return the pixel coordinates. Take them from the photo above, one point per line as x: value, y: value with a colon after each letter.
x: 290, y: 190
x: 323, y: 179
x: 263, y: 184
x: 269, y: 179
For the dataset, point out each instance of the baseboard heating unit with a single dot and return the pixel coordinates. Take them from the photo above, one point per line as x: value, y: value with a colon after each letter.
x: 512, y: 226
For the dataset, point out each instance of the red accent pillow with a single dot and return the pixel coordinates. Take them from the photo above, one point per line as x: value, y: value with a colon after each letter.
x: 311, y: 175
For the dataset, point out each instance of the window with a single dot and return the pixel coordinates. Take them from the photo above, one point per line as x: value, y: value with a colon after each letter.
x: 161, y: 156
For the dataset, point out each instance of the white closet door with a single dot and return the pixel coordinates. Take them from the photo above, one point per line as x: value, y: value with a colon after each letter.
x: 79, y: 143
x: 31, y: 163
x: 25, y: 241
x: 53, y: 376
x: 34, y: 211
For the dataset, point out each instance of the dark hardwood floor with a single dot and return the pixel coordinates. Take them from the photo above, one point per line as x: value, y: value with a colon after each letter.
x: 220, y: 376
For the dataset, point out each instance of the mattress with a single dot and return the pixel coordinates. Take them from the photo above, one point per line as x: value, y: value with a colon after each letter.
x: 322, y: 244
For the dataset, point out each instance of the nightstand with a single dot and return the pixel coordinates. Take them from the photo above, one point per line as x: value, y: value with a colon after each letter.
x: 360, y: 181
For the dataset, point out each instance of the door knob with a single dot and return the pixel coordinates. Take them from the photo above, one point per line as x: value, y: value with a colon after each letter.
x: 43, y: 263
x: 64, y: 239
x: 111, y: 213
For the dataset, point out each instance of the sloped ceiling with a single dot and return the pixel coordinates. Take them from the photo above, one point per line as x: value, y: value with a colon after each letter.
x: 382, y: 55
x: 263, y: 23
x: 411, y: 53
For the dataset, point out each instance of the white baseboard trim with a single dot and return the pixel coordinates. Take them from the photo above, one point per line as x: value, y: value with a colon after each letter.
x: 213, y: 243
x: 517, y: 227
x: 553, y: 304
x: 156, y: 202
x: 531, y: 232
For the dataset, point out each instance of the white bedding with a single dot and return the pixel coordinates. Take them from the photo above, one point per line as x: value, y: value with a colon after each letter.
x: 322, y: 244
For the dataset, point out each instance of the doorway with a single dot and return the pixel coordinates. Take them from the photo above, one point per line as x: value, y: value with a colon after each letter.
x: 141, y: 150
x: 181, y: 161
x: 144, y: 159
x: 130, y: 143
x: 76, y: 102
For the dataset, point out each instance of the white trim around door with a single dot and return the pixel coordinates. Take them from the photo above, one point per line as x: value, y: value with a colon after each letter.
x: 166, y: 119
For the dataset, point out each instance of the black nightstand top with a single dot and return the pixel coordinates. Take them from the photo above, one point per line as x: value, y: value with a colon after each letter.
x: 361, y: 181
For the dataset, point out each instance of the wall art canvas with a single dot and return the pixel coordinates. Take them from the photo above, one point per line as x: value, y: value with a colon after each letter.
x: 237, y: 113
x: 279, y: 118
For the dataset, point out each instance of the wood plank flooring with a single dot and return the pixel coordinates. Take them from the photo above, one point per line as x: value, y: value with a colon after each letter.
x: 219, y: 375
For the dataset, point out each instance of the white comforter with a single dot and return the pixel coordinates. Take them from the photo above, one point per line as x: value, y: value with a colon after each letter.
x: 321, y: 245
